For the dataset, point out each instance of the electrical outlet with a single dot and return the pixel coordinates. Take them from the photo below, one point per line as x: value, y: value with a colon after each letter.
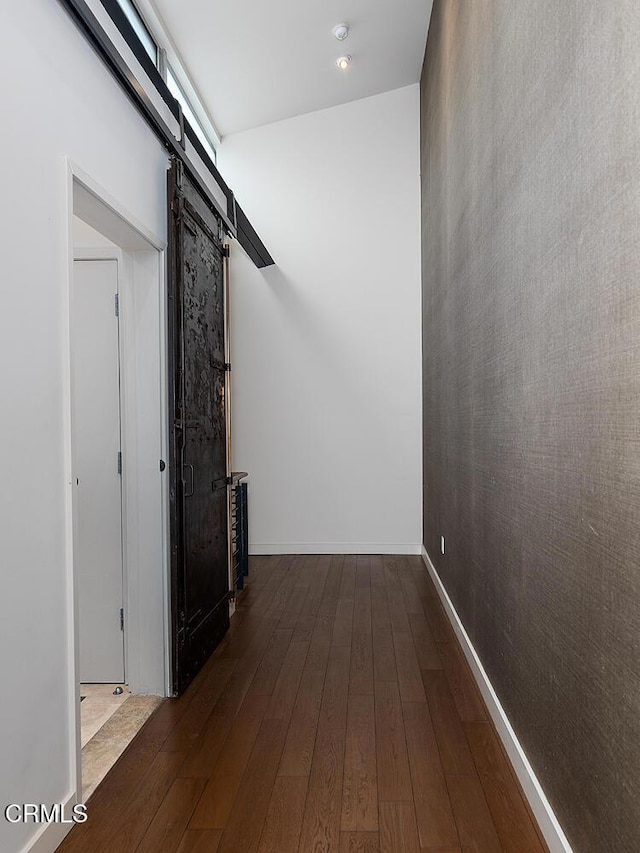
x: 442, y: 544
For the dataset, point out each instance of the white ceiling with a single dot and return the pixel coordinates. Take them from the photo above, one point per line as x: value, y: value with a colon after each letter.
x: 259, y: 61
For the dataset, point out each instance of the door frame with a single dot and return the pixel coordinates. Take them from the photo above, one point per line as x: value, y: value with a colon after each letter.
x: 143, y: 353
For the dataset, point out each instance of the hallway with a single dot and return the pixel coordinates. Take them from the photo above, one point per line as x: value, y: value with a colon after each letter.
x: 337, y: 715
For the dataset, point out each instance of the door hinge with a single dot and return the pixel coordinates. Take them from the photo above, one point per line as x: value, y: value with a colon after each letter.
x: 117, y: 304
x: 119, y: 462
x: 122, y: 618
x: 227, y: 366
x: 225, y: 251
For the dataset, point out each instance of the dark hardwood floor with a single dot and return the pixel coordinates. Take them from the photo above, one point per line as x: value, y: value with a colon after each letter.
x: 338, y: 716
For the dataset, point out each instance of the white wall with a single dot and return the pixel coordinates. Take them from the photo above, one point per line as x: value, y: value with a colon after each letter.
x: 326, y: 346
x: 86, y: 237
x: 58, y: 102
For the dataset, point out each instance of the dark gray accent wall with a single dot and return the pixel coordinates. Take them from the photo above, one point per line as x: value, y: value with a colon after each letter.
x: 531, y: 279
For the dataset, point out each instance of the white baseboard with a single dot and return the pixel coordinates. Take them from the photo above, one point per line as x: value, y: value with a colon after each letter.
x: 51, y: 835
x: 547, y: 821
x: 261, y: 549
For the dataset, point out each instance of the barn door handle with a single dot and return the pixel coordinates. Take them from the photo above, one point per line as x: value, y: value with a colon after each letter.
x: 190, y: 492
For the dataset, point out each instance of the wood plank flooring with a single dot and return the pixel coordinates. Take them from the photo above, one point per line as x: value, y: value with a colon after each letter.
x: 337, y: 716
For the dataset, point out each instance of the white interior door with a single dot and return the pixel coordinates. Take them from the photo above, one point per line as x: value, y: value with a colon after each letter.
x: 98, y: 494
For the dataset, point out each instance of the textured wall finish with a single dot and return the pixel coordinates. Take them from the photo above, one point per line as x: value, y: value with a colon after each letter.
x: 531, y: 276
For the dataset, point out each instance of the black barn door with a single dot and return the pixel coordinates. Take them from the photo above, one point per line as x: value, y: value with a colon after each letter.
x: 198, y: 463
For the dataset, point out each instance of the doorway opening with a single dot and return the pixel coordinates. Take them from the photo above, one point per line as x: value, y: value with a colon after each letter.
x: 119, y: 494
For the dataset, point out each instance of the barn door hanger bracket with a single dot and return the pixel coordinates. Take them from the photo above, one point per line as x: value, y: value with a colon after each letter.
x: 182, y: 142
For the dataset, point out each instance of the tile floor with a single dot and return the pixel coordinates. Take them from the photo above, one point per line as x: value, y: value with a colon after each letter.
x: 108, y: 725
x: 98, y: 705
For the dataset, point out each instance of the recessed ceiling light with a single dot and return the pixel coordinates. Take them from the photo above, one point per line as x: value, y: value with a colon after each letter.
x: 341, y: 31
x: 344, y: 62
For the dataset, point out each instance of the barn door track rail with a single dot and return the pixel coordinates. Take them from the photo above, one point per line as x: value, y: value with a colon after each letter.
x: 206, y: 177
